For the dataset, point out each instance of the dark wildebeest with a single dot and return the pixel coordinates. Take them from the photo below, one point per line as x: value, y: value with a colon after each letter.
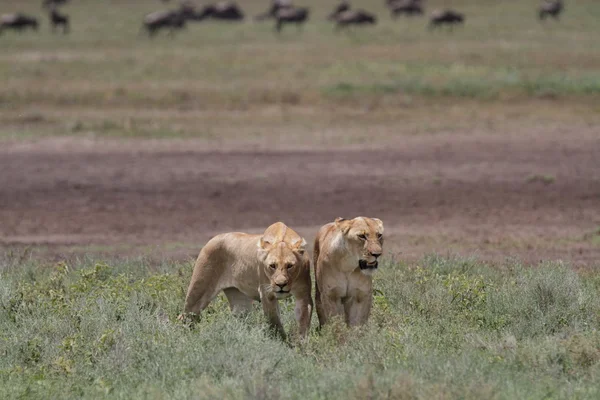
x: 343, y: 6
x: 354, y: 17
x: 406, y: 7
x: 276, y: 5
x: 223, y: 11
x: 170, y: 19
x: 445, y: 17
x: 53, y: 3
x: 18, y: 22
x: 551, y: 8
x: 296, y: 16
x: 59, y: 20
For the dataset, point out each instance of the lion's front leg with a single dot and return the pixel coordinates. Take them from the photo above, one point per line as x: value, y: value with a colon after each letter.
x: 330, y: 306
x: 329, y: 294
x: 357, y: 308
x: 303, y: 310
x: 270, y: 307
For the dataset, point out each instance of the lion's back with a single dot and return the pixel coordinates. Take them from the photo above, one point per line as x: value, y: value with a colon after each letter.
x: 229, y: 247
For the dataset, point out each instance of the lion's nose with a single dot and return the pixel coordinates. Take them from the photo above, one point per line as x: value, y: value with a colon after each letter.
x: 281, y: 285
x: 375, y: 253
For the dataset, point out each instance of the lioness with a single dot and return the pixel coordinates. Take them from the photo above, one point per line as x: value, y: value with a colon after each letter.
x: 345, y: 256
x: 265, y: 268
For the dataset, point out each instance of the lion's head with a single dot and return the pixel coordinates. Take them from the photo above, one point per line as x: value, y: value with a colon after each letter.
x: 363, y: 239
x: 281, y: 251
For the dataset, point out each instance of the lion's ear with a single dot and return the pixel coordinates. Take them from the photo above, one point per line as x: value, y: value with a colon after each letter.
x: 299, y: 246
x: 379, y: 224
x: 263, y: 247
x: 342, y: 224
x: 263, y: 244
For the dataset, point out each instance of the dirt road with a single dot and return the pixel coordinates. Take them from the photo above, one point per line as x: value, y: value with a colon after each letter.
x: 535, y: 197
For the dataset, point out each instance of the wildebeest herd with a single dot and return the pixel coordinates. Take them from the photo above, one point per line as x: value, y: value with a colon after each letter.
x: 20, y: 22
x: 282, y: 12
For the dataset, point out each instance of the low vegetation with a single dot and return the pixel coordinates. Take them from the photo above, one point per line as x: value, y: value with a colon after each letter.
x: 545, y: 179
x: 442, y: 328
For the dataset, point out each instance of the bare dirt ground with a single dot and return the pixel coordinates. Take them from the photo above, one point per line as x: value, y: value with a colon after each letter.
x: 531, y: 197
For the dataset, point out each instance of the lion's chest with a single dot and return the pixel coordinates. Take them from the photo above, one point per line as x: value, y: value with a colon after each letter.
x: 347, y: 286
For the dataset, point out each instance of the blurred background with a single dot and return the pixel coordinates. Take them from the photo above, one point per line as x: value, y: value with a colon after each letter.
x: 481, y: 137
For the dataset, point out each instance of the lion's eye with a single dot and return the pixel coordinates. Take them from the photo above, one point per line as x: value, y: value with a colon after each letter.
x: 379, y: 236
x: 288, y: 266
x: 362, y: 236
x: 273, y: 266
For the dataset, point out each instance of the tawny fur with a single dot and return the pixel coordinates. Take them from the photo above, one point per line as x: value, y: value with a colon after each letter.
x: 345, y: 256
x: 245, y: 267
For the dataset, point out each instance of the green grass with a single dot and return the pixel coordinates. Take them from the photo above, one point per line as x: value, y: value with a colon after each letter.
x: 445, y: 328
x: 545, y: 179
x: 244, y: 70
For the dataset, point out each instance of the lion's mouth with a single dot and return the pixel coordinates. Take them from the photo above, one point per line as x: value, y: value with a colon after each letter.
x: 282, y: 294
x: 364, y: 265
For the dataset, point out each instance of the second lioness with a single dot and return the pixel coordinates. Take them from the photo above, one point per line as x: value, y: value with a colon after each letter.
x: 245, y: 267
x: 345, y: 257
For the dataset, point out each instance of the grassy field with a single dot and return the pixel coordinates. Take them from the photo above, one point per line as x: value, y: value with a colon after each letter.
x: 441, y: 328
x: 217, y: 81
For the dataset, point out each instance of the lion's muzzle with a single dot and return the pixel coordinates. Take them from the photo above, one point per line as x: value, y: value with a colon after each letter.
x: 281, y: 294
x: 368, y: 266
x: 281, y: 287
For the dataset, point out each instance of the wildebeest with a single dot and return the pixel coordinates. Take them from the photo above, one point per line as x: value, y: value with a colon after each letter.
x: 296, y: 16
x: 445, y: 17
x: 18, y: 22
x: 223, y: 10
x: 354, y: 17
x: 59, y: 20
x: 406, y: 7
x: 276, y: 5
x: 53, y: 3
x: 170, y: 19
x: 551, y: 8
x: 342, y: 6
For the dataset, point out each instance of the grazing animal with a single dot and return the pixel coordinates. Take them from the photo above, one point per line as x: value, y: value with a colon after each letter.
x: 354, y: 17
x: 158, y: 20
x: 266, y: 268
x: 59, y: 20
x: 224, y: 11
x: 406, y: 7
x: 342, y: 6
x: 276, y: 5
x: 187, y: 9
x: 18, y: 22
x: 345, y: 256
x: 53, y: 3
x: 296, y: 16
x: 551, y: 8
x: 445, y: 17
